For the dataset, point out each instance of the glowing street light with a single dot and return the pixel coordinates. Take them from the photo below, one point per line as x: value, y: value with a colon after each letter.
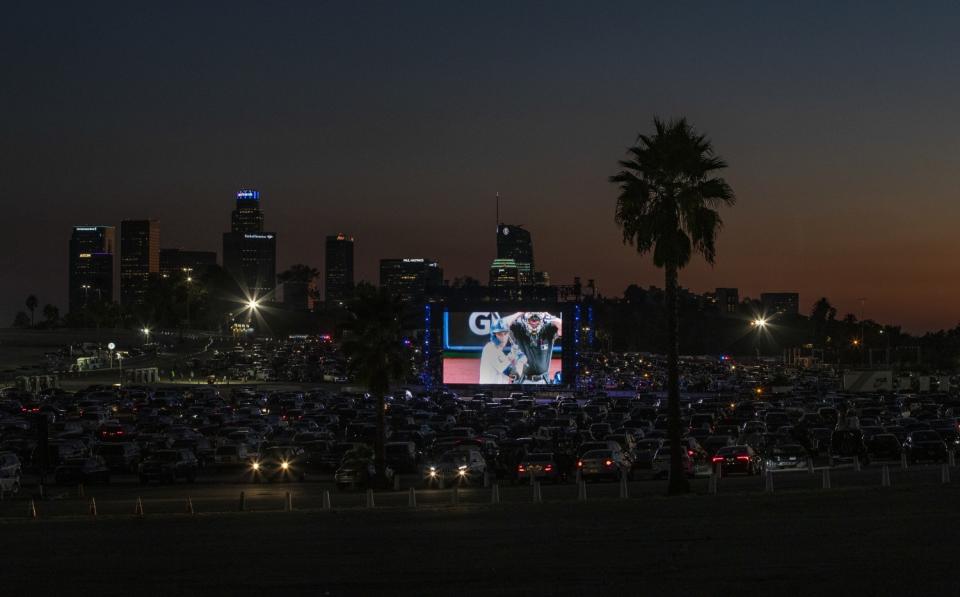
x: 253, y: 304
x: 759, y: 322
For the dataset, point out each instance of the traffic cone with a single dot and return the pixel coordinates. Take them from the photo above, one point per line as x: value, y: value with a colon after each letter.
x: 326, y: 500
x: 138, y: 509
x: 537, y: 496
x: 412, y: 498
x: 885, y: 476
x: 93, y: 507
x: 495, y: 494
x: 189, y: 506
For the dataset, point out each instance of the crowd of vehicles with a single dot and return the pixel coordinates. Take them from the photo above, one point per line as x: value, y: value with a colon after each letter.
x: 181, y: 433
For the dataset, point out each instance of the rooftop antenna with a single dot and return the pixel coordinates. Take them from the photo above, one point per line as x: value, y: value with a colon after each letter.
x: 498, y: 211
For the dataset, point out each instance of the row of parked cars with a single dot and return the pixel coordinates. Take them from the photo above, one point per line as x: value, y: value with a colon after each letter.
x: 171, y: 434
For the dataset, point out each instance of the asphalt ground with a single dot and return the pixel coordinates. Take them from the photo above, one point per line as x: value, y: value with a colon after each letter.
x: 862, y: 541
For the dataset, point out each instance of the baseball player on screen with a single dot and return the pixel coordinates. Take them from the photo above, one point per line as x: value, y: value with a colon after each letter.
x: 535, y: 334
x: 501, y: 361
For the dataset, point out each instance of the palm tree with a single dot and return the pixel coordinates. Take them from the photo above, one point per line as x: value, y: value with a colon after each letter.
x: 668, y: 194
x: 32, y: 303
x: 374, y: 346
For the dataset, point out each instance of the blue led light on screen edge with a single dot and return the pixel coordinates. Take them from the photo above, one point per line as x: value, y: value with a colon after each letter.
x: 246, y: 194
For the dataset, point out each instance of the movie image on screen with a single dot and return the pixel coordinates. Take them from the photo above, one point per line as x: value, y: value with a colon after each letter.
x: 501, y: 348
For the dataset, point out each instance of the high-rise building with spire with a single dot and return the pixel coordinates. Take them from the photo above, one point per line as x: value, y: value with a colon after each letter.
x: 249, y: 253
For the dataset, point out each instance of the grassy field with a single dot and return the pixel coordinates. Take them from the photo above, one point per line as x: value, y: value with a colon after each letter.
x: 891, y: 542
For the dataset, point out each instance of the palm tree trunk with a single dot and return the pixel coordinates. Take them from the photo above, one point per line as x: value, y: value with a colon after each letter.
x: 379, y: 444
x: 678, y: 476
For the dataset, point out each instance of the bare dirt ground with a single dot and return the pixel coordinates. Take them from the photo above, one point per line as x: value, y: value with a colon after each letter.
x: 861, y: 542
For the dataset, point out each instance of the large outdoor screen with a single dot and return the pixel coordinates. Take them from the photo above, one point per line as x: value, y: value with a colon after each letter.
x: 502, y: 347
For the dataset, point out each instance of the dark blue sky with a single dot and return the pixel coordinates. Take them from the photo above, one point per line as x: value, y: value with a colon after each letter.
x: 398, y: 122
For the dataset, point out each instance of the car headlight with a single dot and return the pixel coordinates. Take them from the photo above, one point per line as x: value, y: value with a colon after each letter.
x: 255, y: 466
x: 284, y: 465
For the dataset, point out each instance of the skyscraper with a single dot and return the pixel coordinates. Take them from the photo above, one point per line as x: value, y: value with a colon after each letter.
x: 249, y: 253
x: 178, y: 262
x: 338, y: 268
x: 786, y: 303
x: 91, y: 264
x: 139, y: 259
x: 411, y: 278
x: 514, y: 242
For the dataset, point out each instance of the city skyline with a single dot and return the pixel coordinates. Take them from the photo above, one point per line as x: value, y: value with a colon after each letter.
x: 837, y: 125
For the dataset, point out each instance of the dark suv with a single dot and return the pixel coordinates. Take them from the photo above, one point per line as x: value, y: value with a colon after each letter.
x: 168, y: 466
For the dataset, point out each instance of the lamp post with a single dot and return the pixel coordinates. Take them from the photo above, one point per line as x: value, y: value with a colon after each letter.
x: 760, y: 323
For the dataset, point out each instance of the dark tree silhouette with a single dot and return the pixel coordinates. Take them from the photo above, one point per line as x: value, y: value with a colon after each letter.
x: 377, y: 355
x: 32, y: 303
x: 51, y: 314
x: 21, y: 320
x: 667, y: 206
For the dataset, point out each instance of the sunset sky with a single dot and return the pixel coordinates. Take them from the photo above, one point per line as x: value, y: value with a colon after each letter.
x: 397, y: 123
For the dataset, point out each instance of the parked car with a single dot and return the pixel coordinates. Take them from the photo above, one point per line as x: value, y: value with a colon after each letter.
x: 603, y: 464
x: 120, y: 457
x: 88, y: 470
x: 786, y: 457
x: 456, y: 466
x: 168, y: 466
x: 925, y: 444
x: 540, y: 466
x: 737, y: 459
x: 357, y: 470
x: 884, y: 446
x: 281, y: 463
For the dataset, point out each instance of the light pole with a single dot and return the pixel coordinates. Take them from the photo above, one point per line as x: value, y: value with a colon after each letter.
x: 760, y: 323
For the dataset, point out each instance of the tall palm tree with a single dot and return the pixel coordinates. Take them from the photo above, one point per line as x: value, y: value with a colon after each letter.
x: 377, y: 355
x: 669, y: 192
x: 32, y: 303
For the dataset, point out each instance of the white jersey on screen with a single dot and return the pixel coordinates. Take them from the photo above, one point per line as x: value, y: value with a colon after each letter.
x: 495, y: 365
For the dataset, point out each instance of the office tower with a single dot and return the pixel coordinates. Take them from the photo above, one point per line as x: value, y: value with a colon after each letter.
x: 728, y: 300
x: 249, y: 253
x: 411, y: 278
x: 91, y: 263
x: 338, y: 268
x: 176, y: 263
x: 786, y: 303
x: 504, y: 273
x: 514, y: 242
x: 139, y: 260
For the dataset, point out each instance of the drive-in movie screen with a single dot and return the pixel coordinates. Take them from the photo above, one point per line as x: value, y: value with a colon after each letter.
x: 500, y: 348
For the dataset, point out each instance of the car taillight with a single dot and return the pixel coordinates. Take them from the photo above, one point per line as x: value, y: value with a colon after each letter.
x: 608, y: 462
x: 520, y: 468
x: 548, y: 468
x: 689, y: 452
x: 717, y: 459
x: 579, y: 464
x: 743, y: 458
